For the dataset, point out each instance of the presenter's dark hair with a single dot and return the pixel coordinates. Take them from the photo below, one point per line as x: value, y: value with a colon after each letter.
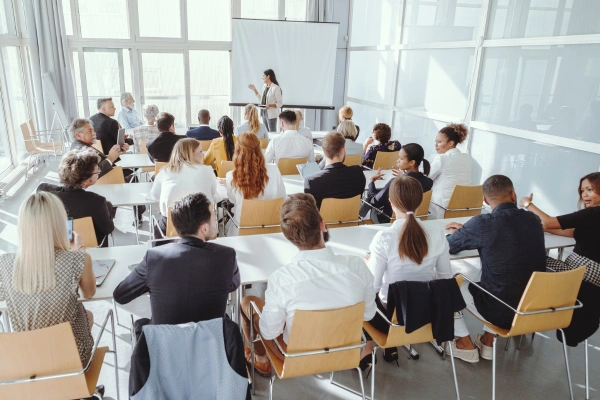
x: 225, y: 126
x: 415, y: 153
x: 288, y: 116
x: 190, y: 213
x: 271, y: 74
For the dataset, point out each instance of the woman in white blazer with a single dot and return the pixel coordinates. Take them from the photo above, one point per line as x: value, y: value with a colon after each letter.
x: 449, y: 168
x: 271, y: 98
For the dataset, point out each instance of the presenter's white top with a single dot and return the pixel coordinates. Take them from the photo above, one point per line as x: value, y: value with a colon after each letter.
x: 387, y: 266
x: 448, y: 170
x: 169, y: 187
x: 274, y: 96
x: 262, y: 130
x: 290, y: 144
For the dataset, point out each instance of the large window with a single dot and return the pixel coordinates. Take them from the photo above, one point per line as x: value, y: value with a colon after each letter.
x: 158, y: 18
x: 17, y: 97
x: 209, y: 20
x: 104, y: 19
x: 209, y: 84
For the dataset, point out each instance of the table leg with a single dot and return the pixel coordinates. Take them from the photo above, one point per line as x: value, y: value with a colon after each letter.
x: 151, y: 224
x: 560, y: 253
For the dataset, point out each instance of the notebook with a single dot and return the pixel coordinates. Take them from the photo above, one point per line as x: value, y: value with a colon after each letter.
x: 101, y: 269
x: 308, y: 169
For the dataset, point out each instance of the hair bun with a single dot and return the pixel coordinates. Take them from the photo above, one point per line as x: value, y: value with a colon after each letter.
x: 461, y: 131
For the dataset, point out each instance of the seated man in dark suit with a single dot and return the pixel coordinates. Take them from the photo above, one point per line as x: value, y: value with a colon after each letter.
x: 77, y: 171
x: 107, y: 129
x: 511, y: 245
x: 204, y: 131
x: 160, y: 149
x: 336, y: 180
x: 188, y: 281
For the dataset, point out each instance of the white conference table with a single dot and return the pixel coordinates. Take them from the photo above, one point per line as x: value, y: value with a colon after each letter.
x: 135, y: 161
x: 125, y: 194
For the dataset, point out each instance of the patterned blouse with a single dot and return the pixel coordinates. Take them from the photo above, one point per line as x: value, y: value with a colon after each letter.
x: 144, y: 133
x: 369, y: 160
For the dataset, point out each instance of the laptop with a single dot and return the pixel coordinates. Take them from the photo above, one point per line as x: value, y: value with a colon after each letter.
x: 101, y: 269
x: 308, y: 169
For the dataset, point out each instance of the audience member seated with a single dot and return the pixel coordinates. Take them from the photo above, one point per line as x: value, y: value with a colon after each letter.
x: 107, y: 129
x: 252, y: 123
x: 78, y: 170
x: 348, y: 130
x: 128, y: 116
x: 251, y: 178
x: 160, y: 149
x: 40, y: 282
x: 302, y: 130
x: 316, y: 279
x: 82, y: 131
x: 188, y: 281
x: 409, y: 251
x: 449, y: 168
x: 336, y: 180
x: 221, y: 148
x: 204, y: 131
x: 183, y: 175
x: 583, y: 225
x: 511, y: 246
x: 410, y: 158
x: 345, y: 114
x: 147, y: 132
x: 382, y: 133
x: 289, y: 144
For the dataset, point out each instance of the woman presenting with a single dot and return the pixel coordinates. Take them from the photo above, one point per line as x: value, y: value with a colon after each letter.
x: 270, y: 98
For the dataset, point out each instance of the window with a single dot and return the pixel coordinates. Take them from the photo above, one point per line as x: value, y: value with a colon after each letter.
x: 158, y: 18
x: 260, y: 9
x: 81, y: 109
x: 366, y: 116
x: 5, y: 155
x: 7, y: 23
x: 105, y: 76
x: 370, y: 76
x: 104, y: 19
x: 387, y: 29
x: 17, y: 97
x: 209, y: 84
x: 295, y: 10
x: 67, y: 16
x: 412, y: 129
x: 209, y: 20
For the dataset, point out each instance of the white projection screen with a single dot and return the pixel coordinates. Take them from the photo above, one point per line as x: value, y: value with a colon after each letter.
x: 302, y: 54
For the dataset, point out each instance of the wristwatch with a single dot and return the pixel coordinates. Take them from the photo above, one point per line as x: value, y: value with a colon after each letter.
x: 526, y: 204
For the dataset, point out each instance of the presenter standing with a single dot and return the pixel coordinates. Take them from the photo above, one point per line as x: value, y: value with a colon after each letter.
x: 271, y: 99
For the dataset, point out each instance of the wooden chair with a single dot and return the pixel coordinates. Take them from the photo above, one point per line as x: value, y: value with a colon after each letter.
x: 287, y: 166
x: 264, y: 142
x: 158, y: 166
x: 226, y: 166
x: 340, y: 213
x: 85, y: 228
x: 386, y: 159
x: 547, y: 304
x: 55, y: 146
x: 397, y: 336
x: 355, y: 159
x: 171, y: 231
x: 320, y: 341
x: 114, y: 176
x: 259, y: 216
x: 144, y: 150
x: 423, y: 211
x: 45, y: 364
x: 466, y: 201
x: 205, y: 144
x: 34, y: 152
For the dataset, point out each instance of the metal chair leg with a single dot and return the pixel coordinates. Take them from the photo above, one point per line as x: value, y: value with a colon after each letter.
x: 373, y: 374
x: 449, y: 344
x: 252, y: 349
x: 507, y: 343
x: 494, y: 368
x: 360, y: 379
x: 272, y: 380
x: 114, y: 340
x: 564, y: 342
x: 520, y: 340
x: 587, y: 372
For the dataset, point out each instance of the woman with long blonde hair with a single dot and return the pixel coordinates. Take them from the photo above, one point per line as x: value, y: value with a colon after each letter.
x: 184, y: 174
x: 252, y: 123
x: 251, y: 178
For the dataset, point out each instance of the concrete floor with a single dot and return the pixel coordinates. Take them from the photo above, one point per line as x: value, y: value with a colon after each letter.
x: 537, y: 371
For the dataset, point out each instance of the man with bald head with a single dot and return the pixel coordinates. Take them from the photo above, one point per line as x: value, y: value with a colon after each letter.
x: 204, y: 131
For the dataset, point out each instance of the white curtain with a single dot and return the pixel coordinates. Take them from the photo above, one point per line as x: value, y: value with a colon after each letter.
x: 49, y: 53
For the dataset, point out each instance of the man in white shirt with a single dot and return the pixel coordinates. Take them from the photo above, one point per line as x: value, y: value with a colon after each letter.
x: 290, y: 144
x: 128, y: 116
x: 315, y: 279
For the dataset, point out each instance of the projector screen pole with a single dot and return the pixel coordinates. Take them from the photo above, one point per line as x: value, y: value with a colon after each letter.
x: 63, y: 129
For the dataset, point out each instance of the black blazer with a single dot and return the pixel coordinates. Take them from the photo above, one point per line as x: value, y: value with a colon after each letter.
x: 336, y: 181
x: 160, y: 149
x: 80, y: 203
x: 107, y: 131
x: 203, y: 133
x: 188, y: 281
x: 105, y: 165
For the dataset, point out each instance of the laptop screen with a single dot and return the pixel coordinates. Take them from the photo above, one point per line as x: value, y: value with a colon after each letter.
x: 308, y: 169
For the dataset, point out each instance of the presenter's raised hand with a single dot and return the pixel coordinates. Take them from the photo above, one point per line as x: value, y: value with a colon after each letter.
x: 253, y: 88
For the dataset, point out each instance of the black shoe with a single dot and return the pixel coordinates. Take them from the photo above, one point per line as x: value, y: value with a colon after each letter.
x: 391, y: 355
x: 98, y: 394
x: 366, y: 364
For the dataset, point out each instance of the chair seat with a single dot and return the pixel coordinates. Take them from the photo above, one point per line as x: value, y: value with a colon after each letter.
x: 500, y: 331
x: 398, y: 336
x: 275, y: 361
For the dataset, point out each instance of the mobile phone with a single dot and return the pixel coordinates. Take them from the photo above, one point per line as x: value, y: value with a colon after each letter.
x: 70, y: 229
x: 121, y: 137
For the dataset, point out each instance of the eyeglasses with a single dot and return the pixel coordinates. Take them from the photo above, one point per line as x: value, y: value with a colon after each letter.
x: 96, y: 173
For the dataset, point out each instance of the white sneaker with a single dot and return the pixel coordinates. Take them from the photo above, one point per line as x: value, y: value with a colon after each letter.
x: 486, y: 352
x: 470, y: 356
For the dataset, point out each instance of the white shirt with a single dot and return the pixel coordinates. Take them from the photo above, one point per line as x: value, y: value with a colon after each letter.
x: 290, y: 144
x: 304, y: 131
x: 274, y: 96
x: 448, y: 170
x: 169, y: 187
x: 315, y: 280
x: 273, y: 190
x: 387, y: 266
x: 262, y: 130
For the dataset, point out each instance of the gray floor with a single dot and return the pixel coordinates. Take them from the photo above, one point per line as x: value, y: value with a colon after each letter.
x: 537, y: 371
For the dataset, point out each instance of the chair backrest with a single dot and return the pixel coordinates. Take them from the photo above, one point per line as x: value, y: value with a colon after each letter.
x: 324, y: 329
x: 45, y: 352
x: 205, y: 144
x: 262, y: 215
x: 33, y: 132
x: 544, y: 291
x: 143, y: 148
x: 264, y: 142
x: 171, y: 231
x: 226, y: 166
x: 98, y: 146
x: 29, y: 146
x: 287, y: 166
x: 114, y: 176
x: 386, y: 159
x: 339, y: 213
x: 423, y: 211
x: 355, y: 159
x: 85, y: 228
x: 465, y: 201
x: 158, y: 166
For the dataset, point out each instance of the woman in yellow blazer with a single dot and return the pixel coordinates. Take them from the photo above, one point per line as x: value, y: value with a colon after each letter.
x: 221, y: 148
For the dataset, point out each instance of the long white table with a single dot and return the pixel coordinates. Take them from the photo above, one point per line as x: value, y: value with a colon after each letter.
x: 135, y: 161
x: 125, y: 194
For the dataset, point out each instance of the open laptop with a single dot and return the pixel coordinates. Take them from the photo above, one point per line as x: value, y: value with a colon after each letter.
x: 308, y: 169
x: 101, y: 269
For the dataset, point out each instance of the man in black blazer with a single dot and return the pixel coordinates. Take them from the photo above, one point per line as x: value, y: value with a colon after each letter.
x: 188, y: 281
x: 336, y: 180
x: 160, y: 149
x: 107, y: 129
x: 204, y: 131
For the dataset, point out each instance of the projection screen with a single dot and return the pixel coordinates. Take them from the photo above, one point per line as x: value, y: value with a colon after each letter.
x: 302, y: 55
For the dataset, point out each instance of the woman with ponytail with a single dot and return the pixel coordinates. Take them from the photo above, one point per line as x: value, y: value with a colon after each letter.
x: 222, y: 148
x: 251, y: 123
